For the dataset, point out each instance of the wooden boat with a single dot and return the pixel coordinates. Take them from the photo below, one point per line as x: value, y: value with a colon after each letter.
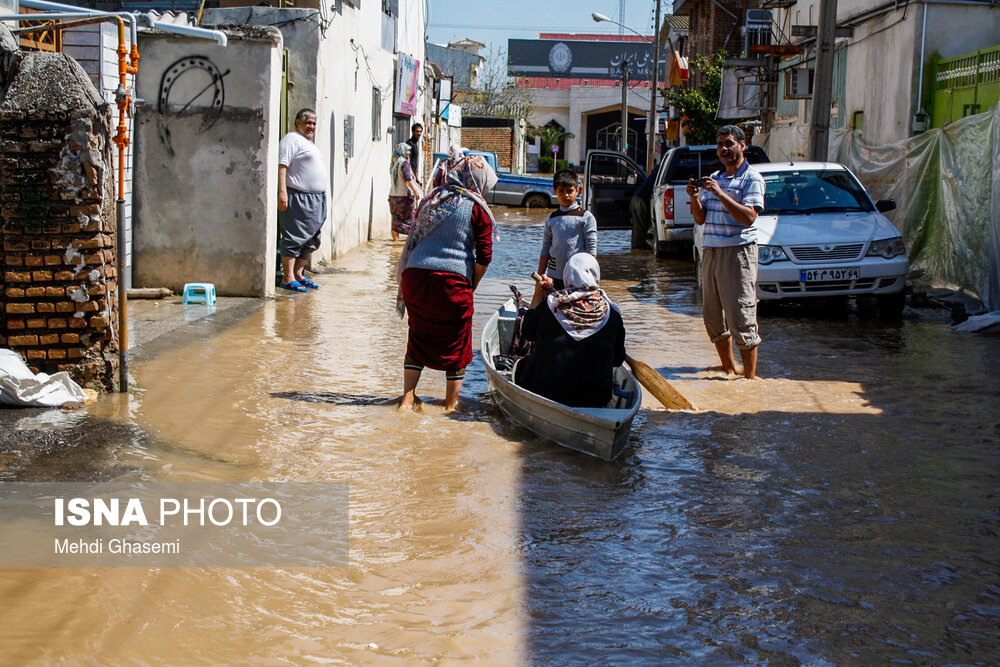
x: 600, y: 432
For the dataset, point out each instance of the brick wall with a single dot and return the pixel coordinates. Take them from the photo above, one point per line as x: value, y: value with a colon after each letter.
x: 58, y: 235
x: 500, y: 140
x: 712, y: 30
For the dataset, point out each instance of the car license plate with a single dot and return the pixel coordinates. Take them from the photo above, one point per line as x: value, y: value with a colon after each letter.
x: 823, y: 275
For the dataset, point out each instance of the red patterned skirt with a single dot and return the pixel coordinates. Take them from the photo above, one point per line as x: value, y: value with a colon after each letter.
x: 440, y: 308
x: 402, y: 209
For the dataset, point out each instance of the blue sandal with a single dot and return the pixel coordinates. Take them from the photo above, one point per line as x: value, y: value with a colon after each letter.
x: 294, y: 286
x: 308, y: 283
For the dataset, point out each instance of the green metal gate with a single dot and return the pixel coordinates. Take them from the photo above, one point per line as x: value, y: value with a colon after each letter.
x: 965, y: 85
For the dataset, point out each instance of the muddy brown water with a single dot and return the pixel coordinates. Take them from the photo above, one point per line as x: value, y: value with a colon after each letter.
x: 842, y: 510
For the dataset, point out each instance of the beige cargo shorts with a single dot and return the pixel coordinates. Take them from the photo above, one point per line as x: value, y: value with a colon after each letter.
x: 729, y: 278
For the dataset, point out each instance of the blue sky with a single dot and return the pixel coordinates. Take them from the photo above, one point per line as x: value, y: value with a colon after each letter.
x: 496, y: 21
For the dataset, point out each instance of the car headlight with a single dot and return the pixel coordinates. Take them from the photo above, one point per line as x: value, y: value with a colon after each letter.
x: 887, y: 248
x: 770, y: 253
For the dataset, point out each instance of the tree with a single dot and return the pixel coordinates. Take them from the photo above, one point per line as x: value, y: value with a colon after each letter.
x: 497, y: 94
x: 700, y: 105
x: 551, y: 135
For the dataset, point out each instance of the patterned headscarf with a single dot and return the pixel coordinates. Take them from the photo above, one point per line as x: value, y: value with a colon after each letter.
x: 471, y: 178
x: 582, y: 308
x: 399, y: 156
x: 455, y: 154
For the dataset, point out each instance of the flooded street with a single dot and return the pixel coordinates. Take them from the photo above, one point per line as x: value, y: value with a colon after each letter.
x: 842, y: 510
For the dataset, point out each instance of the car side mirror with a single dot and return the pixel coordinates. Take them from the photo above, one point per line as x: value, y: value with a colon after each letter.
x: 884, y: 205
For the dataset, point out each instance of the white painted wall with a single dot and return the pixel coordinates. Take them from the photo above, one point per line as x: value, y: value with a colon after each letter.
x: 333, y: 69
x: 883, y: 64
x: 347, y: 74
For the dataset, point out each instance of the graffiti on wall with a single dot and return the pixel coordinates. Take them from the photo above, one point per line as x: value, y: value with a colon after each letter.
x: 192, y: 84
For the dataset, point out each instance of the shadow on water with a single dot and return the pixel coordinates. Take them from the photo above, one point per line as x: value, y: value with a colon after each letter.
x: 473, y: 409
x: 50, y: 445
x: 335, y: 398
x: 778, y: 537
x: 770, y: 538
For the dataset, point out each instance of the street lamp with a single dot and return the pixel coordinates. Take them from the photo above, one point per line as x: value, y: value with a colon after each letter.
x: 601, y: 18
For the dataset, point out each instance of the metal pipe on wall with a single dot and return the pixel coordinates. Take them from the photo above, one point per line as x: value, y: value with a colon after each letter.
x: 127, y: 64
x: 59, y: 7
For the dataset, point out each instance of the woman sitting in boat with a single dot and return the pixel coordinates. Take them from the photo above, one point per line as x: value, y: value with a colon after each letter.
x: 579, y: 338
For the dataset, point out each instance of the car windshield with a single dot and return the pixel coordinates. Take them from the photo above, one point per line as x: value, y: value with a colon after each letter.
x: 814, y: 192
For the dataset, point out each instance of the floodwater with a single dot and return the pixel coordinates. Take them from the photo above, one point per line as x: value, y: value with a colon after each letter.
x: 842, y: 510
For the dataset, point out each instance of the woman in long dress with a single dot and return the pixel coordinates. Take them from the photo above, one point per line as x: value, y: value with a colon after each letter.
x: 446, y: 255
x: 404, y: 191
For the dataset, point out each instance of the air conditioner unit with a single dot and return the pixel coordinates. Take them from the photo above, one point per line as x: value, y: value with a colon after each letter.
x: 757, y: 30
x: 799, y: 83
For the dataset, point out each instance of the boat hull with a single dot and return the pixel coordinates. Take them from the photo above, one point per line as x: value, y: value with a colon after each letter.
x: 599, y: 432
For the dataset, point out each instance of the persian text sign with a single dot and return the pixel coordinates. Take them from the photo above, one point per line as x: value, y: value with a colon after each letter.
x: 406, y: 85
x: 580, y: 59
x: 168, y: 524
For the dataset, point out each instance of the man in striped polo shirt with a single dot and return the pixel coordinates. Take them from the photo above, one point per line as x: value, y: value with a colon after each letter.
x: 727, y: 203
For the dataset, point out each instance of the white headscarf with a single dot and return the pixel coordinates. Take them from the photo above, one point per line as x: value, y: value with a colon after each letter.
x: 581, y: 308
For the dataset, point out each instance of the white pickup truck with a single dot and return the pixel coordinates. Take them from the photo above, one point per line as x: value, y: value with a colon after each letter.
x: 673, y: 223
x: 611, y: 178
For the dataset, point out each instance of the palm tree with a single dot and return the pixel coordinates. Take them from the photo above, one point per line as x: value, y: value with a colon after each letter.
x: 551, y: 135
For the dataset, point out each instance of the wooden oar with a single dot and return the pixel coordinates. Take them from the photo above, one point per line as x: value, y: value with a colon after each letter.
x: 654, y: 383
x: 657, y: 385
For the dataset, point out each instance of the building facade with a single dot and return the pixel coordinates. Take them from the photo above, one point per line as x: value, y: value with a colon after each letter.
x: 585, y: 98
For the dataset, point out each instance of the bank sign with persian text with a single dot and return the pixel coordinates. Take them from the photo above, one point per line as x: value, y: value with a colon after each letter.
x: 579, y: 59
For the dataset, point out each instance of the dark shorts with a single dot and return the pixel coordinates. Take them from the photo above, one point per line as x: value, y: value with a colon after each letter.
x: 301, y: 223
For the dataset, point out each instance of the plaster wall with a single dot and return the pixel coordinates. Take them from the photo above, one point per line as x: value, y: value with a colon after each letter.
x: 206, y: 162
x: 884, y: 65
x: 334, y: 63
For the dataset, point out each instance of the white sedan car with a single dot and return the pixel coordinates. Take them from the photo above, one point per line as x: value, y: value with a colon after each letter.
x: 820, y: 235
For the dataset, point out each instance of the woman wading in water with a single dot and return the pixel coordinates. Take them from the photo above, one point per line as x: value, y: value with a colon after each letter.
x: 445, y: 256
x: 405, y: 192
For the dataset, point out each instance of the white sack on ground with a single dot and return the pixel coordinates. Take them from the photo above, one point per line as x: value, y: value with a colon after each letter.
x: 19, y: 386
x: 989, y: 322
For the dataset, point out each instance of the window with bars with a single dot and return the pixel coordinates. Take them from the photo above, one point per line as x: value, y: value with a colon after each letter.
x: 376, y: 113
x: 349, y: 136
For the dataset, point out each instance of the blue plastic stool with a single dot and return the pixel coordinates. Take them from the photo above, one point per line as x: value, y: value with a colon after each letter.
x: 199, y: 293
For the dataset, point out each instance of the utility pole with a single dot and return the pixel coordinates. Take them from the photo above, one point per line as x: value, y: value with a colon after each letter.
x: 624, y: 137
x: 819, y: 134
x: 651, y: 141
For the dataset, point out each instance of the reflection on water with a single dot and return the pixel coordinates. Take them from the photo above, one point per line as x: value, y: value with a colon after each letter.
x: 842, y: 510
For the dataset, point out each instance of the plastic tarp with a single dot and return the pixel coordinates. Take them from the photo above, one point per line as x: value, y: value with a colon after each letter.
x: 946, y: 183
x: 20, y: 387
